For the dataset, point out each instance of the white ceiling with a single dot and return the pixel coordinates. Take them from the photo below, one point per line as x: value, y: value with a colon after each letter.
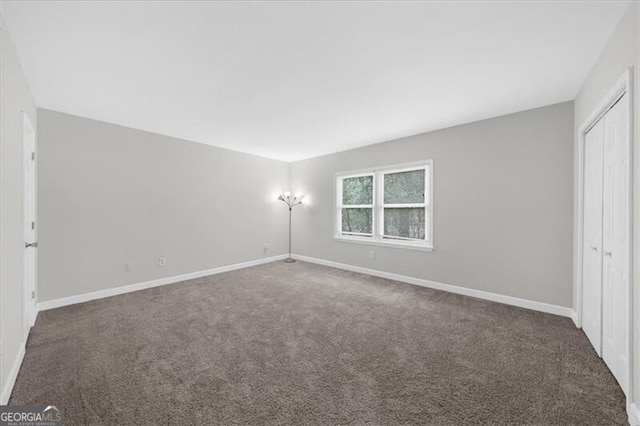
x: 291, y: 80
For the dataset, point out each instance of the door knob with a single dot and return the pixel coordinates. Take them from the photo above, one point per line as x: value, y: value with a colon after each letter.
x: 27, y: 245
x: 607, y: 253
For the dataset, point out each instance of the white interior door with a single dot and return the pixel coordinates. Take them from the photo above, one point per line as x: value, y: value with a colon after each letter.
x: 592, y: 236
x: 29, y: 267
x: 615, y: 243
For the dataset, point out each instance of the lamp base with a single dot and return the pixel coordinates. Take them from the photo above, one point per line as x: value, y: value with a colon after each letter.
x: 289, y: 260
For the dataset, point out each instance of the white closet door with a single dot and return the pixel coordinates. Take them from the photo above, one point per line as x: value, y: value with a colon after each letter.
x: 615, y: 243
x: 592, y: 236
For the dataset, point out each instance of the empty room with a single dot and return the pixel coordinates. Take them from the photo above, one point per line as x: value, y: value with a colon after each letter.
x: 319, y: 212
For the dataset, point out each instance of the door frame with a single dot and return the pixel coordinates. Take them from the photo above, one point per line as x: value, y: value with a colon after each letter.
x: 28, y: 303
x: 622, y: 86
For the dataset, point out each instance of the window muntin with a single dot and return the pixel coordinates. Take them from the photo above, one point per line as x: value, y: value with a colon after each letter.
x: 389, y: 206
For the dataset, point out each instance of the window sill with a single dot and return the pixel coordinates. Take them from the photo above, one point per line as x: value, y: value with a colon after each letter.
x: 410, y: 245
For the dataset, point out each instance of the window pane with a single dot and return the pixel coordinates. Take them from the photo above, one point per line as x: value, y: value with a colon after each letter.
x: 359, y: 221
x: 404, y: 187
x: 357, y: 190
x: 404, y: 223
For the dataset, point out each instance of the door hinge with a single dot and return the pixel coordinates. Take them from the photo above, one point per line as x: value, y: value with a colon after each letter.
x: 33, y: 225
x: 33, y: 155
x: 33, y: 294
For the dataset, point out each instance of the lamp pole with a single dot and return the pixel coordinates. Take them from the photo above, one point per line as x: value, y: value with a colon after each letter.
x: 291, y: 202
x: 290, y: 259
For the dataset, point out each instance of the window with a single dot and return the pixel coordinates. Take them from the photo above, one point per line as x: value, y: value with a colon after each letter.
x: 357, y: 205
x: 386, y: 206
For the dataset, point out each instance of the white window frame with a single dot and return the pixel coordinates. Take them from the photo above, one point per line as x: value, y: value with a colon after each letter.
x: 378, y: 239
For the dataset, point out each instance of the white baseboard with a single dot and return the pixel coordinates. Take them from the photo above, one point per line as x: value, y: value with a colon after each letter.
x: 574, y: 318
x: 13, y: 375
x: 80, y: 298
x: 634, y: 415
x: 507, y: 300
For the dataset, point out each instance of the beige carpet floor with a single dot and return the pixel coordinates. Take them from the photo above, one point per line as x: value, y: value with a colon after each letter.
x: 307, y: 344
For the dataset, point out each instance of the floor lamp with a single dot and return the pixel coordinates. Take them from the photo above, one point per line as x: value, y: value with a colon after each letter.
x: 291, y: 203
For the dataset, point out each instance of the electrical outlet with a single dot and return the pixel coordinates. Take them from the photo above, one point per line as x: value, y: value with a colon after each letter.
x: 372, y: 254
x: 128, y: 267
x: 162, y: 262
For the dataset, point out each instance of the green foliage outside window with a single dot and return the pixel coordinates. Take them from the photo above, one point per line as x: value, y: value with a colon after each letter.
x: 357, y: 221
x: 404, y: 223
x: 404, y: 187
x: 357, y: 191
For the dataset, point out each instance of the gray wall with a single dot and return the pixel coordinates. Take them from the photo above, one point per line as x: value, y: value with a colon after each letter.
x: 620, y: 53
x: 16, y: 97
x: 502, y: 199
x: 110, y: 195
